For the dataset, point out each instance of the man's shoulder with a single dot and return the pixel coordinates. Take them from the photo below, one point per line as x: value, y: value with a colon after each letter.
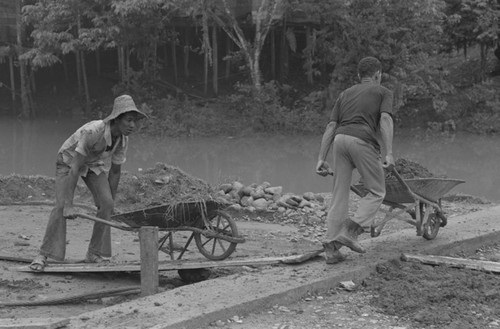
x: 373, y: 87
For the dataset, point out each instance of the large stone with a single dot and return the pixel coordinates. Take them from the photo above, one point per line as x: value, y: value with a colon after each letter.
x: 309, y: 196
x: 304, y: 203
x: 245, y: 191
x: 291, y: 202
x: 260, y: 204
x: 258, y: 193
x: 282, y: 202
x: 319, y: 198
x: 265, y: 185
x: 269, y: 197
x: 274, y: 190
x: 236, y: 207
x: 246, y: 201
x: 226, y: 187
x: 237, y: 186
x: 235, y: 196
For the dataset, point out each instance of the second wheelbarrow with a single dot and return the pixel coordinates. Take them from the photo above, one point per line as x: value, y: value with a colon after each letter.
x: 419, y: 197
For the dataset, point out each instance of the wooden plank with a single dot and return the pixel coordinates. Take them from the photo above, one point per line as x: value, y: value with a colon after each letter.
x: 71, y: 298
x: 148, y: 237
x: 480, y: 265
x: 168, y: 265
x: 29, y: 260
x: 33, y: 323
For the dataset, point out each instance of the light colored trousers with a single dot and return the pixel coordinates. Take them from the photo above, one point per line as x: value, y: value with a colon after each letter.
x: 349, y: 153
x: 54, y: 241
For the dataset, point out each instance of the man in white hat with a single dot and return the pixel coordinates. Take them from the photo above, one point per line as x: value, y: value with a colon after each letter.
x: 83, y: 155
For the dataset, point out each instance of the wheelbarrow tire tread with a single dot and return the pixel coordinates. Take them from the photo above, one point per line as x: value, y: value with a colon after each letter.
x: 432, y: 227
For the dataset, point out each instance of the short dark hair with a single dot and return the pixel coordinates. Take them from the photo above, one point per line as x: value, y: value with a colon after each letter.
x: 368, y: 66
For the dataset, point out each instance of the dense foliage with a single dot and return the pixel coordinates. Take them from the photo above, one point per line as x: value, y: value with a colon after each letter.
x: 416, y: 40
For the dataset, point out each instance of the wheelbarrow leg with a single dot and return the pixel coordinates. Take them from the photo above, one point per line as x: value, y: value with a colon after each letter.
x: 421, y: 218
x: 375, y: 230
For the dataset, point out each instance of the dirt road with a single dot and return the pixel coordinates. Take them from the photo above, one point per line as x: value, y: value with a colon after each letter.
x: 367, y: 307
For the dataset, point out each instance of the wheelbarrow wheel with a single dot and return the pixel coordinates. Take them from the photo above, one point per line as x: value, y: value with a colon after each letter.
x: 431, y: 227
x: 216, y: 248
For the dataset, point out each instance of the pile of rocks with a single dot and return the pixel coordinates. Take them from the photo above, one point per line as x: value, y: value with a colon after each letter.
x: 310, y: 207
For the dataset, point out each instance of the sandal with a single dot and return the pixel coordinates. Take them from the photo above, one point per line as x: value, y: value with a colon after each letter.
x: 93, y: 258
x: 38, y: 264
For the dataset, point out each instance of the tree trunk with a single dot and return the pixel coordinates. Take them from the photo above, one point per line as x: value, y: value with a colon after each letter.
x: 215, y: 62
x: 165, y: 57
x: 98, y: 62
x: 154, y: 63
x: 228, y: 60
x: 25, y: 102
x: 78, y: 72
x: 65, y: 68
x: 121, y: 63
x: 174, y: 59
x: 205, y: 73
x: 187, y: 42
x: 283, y: 55
x: 12, y: 78
x: 32, y: 80
x: 127, y: 66
x: 85, y: 83
x: 273, y: 54
x: 309, y: 59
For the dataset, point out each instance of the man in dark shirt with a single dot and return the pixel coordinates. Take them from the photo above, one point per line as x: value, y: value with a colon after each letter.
x: 361, y: 114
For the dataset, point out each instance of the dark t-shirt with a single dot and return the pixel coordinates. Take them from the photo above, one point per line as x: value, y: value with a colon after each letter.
x: 357, y: 111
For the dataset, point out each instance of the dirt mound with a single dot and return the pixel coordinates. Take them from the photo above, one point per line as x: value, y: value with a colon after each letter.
x: 17, y: 188
x: 408, y: 169
x: 162, y: 184
x: 445, y: 298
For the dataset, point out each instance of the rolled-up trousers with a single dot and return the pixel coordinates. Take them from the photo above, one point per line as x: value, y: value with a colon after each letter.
x: 349, y: 153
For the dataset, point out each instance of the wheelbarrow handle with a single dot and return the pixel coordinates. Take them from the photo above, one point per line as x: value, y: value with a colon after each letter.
x: 104, y: 221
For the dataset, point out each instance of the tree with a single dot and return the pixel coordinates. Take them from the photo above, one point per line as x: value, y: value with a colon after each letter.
x: 26, y: 100
x: 262, y: 20
x: 473, y: 22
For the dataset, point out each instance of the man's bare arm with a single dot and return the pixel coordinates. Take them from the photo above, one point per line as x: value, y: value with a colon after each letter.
x: 387, y: 131
x: 322, y: 166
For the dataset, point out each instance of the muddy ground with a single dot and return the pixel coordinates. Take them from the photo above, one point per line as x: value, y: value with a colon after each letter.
x: 398, y: 295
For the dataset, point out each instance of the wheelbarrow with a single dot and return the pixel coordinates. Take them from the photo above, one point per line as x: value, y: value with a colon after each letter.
x: 213, y: 230
x: 419, y: 197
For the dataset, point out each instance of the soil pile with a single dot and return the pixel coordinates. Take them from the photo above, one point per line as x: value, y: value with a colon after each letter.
x: 445, y: 297
x: 162, y: 184
x: 408, y: 169
x: 16, y: 188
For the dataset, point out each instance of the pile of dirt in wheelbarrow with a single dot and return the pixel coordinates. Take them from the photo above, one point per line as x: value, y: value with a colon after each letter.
x: 162, y: 184
x: 408, y: 169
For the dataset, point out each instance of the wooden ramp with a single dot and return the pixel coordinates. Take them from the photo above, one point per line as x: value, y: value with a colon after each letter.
x: 172, y: 265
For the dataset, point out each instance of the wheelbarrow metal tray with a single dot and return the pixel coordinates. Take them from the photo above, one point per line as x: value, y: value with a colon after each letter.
x: 431, y: 189
x: 171, y: 215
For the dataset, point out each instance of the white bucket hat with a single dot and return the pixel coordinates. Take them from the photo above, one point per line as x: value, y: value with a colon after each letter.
x: 123, y: 104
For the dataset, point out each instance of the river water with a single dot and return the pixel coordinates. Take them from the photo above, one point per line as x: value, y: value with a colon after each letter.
x: 29, y: 148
